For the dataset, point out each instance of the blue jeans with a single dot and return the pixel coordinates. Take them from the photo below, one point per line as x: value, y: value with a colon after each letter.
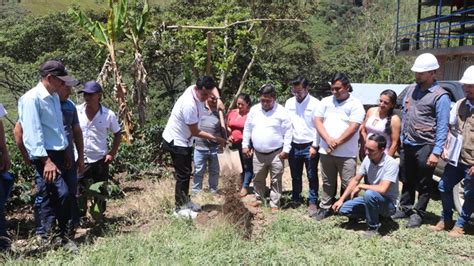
x: 202, y: 158
x: 297, y: 158
x: 369, y: 206
x: 247, y: 166
x: 52, y: 202
x: 451, y: 177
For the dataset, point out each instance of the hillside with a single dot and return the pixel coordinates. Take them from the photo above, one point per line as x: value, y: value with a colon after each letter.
x: 42, y: 7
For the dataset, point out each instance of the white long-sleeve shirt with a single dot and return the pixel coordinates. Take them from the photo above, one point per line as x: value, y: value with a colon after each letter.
x: 268, y: 130
x: 302, y: 118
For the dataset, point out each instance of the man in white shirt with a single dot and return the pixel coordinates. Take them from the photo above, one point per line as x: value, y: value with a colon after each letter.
x: 177, y: 139
x: 338, y: 119
x: 304, y: 146
x: 96, y: 123
x: 268, y: 125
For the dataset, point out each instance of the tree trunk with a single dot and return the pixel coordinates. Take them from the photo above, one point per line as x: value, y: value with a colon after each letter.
x: 234, y: 57
x: 249, y: 67
x: 209, y: 53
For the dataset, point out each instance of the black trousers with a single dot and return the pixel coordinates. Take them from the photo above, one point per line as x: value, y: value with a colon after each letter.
x: 182, y: 163
x: 416, y: 176
x: 94, y: 172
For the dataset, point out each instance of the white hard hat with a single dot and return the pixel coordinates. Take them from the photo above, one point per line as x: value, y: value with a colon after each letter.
x: 468, y: 76
x: 425, y: 62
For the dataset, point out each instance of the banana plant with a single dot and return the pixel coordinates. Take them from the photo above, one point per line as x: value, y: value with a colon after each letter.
x: 135, y: 31
x: 106, y: 35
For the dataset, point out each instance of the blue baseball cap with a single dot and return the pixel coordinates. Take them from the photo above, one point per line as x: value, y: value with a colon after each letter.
x: 91, y: 87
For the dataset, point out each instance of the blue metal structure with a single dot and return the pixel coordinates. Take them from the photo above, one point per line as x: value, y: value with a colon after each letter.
x: 440, y: 24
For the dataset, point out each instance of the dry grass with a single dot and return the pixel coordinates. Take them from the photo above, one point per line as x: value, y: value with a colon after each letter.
x: 289, y: 237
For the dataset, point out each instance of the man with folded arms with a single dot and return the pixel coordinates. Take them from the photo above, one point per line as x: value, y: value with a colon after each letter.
x: 269, y: 127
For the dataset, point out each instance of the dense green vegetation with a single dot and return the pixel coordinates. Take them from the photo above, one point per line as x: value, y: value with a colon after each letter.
x: 329, y: 36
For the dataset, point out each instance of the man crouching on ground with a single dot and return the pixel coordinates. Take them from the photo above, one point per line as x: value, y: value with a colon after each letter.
x: 380, y: 172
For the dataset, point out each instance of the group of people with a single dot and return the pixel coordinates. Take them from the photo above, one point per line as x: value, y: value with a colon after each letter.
x: 68, y: 148
x: 331, y: 134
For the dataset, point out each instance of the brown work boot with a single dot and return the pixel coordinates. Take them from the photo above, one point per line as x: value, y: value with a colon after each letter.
x: 442, y: 225
x: 456, y: 231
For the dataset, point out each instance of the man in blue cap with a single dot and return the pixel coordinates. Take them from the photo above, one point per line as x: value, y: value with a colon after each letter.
x: 45, y: 140
x: 96, y: 122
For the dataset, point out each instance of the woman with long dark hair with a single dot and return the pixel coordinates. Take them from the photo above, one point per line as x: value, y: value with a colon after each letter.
x: 235, y: 126
x: 383, y: 121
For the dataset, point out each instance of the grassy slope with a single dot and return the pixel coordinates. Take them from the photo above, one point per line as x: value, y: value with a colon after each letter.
x: 42, y: 7
x: 289, y: 238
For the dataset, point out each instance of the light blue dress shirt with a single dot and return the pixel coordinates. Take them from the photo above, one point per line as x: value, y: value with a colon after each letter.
x: 42, y: 121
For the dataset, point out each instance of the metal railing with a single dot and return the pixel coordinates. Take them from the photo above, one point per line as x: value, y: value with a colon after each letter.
x: 438, y: 31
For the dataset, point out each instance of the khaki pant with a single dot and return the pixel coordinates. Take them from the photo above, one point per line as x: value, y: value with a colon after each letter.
x: 330, y: 167
x: 262, y: 165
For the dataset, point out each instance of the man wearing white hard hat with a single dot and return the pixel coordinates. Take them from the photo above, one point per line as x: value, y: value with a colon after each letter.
x: 461, y: 122
x: 425, y: 117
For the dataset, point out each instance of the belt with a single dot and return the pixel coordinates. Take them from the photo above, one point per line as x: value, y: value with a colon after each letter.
x: 267, y: 153
x: 301, y: 145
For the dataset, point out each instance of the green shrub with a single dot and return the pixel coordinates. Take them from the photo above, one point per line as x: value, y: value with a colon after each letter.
x: 143, y: 154
x: 23, y: 189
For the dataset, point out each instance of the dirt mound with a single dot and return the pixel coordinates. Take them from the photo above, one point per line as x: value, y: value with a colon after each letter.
x: 234, y: 209
x: 227, y: 206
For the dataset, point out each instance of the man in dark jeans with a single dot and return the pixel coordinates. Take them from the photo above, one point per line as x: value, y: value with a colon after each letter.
x: 425, y: 117
x: 45, y: 141
x: 177, y: 139
x: 74, y: 137
x: 305, y: 142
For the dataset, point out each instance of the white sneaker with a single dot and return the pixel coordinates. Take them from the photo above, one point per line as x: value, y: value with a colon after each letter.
x: 193, y: 206
x: 185, y: 213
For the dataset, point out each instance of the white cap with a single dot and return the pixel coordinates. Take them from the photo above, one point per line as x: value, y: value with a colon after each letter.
x: 468, y: 76
x: 425, y: 62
